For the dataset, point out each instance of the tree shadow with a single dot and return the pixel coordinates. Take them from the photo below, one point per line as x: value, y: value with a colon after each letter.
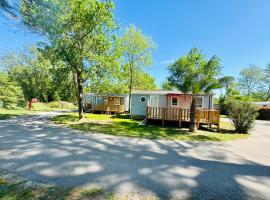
x: 37, y: 150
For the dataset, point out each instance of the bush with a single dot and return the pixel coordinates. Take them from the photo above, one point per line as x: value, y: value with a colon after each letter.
x: 61, y: 104
x: 264, y: 114
x: 242, y: 113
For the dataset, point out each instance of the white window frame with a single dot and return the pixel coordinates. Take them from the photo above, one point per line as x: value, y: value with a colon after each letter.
x: 202, y: 101
x: 177, y: 101
x: 154, y: 96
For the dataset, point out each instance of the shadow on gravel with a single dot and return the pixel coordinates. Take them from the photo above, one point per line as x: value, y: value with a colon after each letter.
x: 34, y: 149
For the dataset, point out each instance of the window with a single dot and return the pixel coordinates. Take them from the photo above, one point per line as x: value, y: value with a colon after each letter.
x: 174, y: 101
x: 199, y: 102
x: 143, y: 99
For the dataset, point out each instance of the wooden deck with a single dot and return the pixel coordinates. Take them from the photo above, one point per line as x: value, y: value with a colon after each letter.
x: 109, y: 108
x: 183, y: 115
x: 110, y: 105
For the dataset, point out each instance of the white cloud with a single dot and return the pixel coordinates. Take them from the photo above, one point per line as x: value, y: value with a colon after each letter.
x: 167, y: 62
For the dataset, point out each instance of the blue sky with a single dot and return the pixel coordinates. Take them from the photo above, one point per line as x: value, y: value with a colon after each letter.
x: 237, y: 31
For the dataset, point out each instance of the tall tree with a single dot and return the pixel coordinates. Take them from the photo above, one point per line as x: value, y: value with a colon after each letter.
x: 10, y: 92
x: 137, y: 52
x: 77, y: 32
x: 193, y: 73
x: 167, y: 86
x: 266, y: 80
x: 250, y: 79
x: 32, y: 72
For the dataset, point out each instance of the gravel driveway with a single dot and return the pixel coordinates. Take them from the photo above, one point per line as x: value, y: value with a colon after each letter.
x: 33, y: 148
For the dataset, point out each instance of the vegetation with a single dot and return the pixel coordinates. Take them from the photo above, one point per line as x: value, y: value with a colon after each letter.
x: 193, y: 73
x: 242, y: 114
x: 264, y: 113
x: 123, y: 126
x: 78, y: 34
x: 9, y: 189
x: 136, y: 50
x: 37, y: 107
x: 10, y: 92
x: 255, y: 82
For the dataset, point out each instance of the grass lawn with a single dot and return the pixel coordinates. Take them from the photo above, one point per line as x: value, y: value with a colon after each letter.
x: 123, y: 126
x: 37, y: 107
x: 224, y: 116
x: 17, y: 190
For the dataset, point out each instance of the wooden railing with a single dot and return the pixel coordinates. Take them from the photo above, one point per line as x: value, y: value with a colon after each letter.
x: 108, y: 108
x: 183, y: 115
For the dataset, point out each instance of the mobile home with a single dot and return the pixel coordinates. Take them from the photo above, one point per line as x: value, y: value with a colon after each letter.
x: 172, y: 106
x: 109, y: 104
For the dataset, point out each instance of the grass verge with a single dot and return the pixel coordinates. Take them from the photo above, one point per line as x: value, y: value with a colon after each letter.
x: 18, y: 190
x: 37, y: 107
x: 122, y: 126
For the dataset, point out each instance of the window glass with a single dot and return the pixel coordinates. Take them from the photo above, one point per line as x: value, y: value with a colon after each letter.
x: 198, y: 101
x: 142, y: 99
x: 174, y: 101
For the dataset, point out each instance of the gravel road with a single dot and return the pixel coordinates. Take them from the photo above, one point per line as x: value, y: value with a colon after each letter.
x: 32, y: 147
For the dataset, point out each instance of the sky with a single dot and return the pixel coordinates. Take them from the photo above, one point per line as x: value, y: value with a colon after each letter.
x: 237, y: 31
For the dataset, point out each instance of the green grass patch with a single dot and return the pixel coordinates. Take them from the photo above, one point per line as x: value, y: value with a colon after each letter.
x: 37, y: 107
x: 18, y: 191
x: 122, y: 126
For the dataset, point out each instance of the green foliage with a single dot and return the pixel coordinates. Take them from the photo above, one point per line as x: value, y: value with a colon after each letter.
x: 136, y: 50
x: 78, y: 34
x: 251, y: 79
x: 264, y: 113
x: 231, y: 92
x: 193, y: 73
x: 10, y: 93
x: 242, y: 114
x: 32, y: 73
x: 167, y: 86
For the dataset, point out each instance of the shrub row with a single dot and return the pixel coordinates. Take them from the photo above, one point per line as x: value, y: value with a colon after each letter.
x: 264, y: 113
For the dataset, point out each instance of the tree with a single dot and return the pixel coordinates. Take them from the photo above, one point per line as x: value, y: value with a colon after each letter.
x: 250, y: 79
x: 10, y: 93
x: 8, y: 8
x: 78, y: 33
x: 266, y: 80
x: 193, y: 73
x: 105, y: 83
x: 137, y: 52
x: 167, y: 86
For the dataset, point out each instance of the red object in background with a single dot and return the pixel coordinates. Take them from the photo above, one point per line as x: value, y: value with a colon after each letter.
x: 34, y: 100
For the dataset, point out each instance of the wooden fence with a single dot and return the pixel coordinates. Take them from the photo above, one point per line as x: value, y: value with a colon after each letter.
x: 109, y: 108
x: 183, y: 115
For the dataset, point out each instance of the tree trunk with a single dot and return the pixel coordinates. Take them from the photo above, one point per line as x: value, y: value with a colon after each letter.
x: 80, y: 93
x: 130, y: 90
x: 29, y: 105
x: 193, y: 115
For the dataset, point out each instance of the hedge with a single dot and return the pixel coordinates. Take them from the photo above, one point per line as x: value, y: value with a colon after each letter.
x: 264, y: 113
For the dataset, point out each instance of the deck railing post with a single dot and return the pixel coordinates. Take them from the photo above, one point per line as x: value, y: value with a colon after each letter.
x: 163, y: 116
x: 218, y: 115
x: 198, y: 118
x: 180, y: 118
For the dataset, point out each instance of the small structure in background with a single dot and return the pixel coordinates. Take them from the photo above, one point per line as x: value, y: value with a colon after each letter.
x: 173, y: 106
x: 33, y: 100
x: 265, y: 104
x: 108, y: 104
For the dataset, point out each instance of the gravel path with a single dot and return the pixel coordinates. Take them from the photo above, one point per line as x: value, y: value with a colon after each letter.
x: 34, y: 148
